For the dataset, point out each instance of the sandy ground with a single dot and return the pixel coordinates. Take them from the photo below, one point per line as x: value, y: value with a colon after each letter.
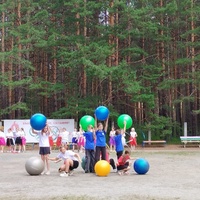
x: 174, y: 174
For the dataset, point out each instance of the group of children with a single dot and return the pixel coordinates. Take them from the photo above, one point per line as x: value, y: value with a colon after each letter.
x: 14, y: 140
x: 95, y: 149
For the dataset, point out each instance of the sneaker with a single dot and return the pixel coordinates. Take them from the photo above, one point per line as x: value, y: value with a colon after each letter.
x: 114, y: 170
x: 71, y: 172
x: 64, y: 175
x: 48, y: 173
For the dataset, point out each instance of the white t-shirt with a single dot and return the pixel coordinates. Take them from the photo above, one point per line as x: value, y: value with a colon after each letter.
x: 75, y: 134
x: 43, y: 139
x: 2, y: 134
x: 112, y: 133
x: 9, y: 134
x: 124, y: 139
x: 18, y: 134
x: 133, y: 134
x: 23, y: 134
x: 68, y: 154
x: 65, y: 136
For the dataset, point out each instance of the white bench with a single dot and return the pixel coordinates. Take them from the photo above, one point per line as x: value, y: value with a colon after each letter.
x: 190, y: 139
x: 149, y: 142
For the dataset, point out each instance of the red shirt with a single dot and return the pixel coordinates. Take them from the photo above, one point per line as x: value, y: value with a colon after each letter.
x: 123, y: 159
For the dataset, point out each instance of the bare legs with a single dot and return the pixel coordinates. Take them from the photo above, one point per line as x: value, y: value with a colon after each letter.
x: 46, y: 163
x: 65, y: 167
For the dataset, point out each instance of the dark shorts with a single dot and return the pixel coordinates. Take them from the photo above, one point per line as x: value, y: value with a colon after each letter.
x: 44, y: 150
x: 74, y: 140
x: 9, y: 142
x: 18, y: 141
x: 75, y: 165
x: 121, y: 167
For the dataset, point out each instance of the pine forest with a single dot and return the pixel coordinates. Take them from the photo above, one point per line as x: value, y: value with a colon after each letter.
x: 64, y: 58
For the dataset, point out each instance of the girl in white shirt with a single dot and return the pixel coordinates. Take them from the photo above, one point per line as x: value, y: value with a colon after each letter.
x: 65, y: 136
x: 9, y: 140
x: 133, y: 140
x: 71, y: 161
x: 44, y: 146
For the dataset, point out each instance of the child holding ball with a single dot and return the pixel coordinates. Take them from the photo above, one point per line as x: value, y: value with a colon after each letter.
x: 100, y: 132
x: 89, y: 149
x: 44, y: 146
x: 119, y: 147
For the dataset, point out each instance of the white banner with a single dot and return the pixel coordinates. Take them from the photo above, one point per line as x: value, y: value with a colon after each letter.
x: 55, y: 125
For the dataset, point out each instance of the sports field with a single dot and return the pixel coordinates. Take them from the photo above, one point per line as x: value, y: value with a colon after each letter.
x: 173, y: 174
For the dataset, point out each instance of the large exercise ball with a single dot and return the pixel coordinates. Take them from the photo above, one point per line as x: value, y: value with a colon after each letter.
x: 85, y: 121
x: 83, y: 163
x: 38, y: 121
x: 102, y: 113
x: 141, y: 166
x: 122, y: 118
x: 34, y: 166
x: 102, y: 168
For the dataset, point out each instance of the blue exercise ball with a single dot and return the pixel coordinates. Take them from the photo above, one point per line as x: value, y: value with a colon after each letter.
x: 38, y: 121
x: 102, y: 113
x: 141, y: 166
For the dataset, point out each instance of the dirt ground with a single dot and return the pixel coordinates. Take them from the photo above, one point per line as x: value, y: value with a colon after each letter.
x: 173, y: 174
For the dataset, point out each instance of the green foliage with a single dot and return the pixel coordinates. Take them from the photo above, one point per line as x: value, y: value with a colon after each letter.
x: 52, y: 50
x: 15, y: 107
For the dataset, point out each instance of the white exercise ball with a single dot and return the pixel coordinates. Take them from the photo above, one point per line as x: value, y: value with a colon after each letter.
x: 34, y: 166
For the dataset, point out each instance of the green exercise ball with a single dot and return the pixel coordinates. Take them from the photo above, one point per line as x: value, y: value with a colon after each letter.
x: 122, y: 118
x: 87, y: 120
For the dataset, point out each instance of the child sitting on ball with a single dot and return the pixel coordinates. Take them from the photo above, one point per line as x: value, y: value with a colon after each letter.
x: 123, y: 163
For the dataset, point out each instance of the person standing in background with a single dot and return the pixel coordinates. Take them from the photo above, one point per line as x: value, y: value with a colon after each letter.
x: 112, y: 139
x: 2, y: 140
x: 23, y: 136
x: 65, y: 136
x: 10, y: 140
x: 133, y: 139
x: 74, y: 139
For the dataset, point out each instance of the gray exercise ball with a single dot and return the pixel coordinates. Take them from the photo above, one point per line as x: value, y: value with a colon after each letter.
x: 34, y: 166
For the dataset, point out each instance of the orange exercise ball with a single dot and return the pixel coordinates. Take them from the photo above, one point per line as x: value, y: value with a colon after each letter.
x: 102, y: 168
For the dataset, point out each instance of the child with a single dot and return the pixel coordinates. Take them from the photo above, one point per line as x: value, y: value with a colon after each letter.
x: 71, y: 161
x: 89, y: 150
x: 81, y: 141
x: 65, y: 136
x: 119, y: 147
x: 133, y: 140
x: 2, y: 141
x: 44, y: 146
x: 18, y: 140
x: 123, y: 164
x: 23, y: 136
x: 74, y: 139
x: 112, y: 139
x: 100, y: 140
x: 9, y: 140
x: 111, y: 161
